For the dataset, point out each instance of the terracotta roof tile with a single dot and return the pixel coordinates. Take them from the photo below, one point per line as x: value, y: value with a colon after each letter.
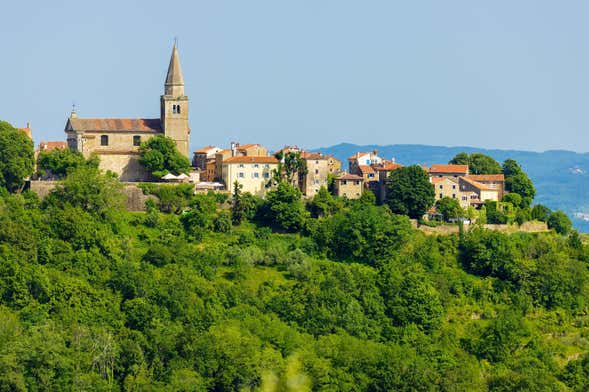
x: 389, y: 166
x: 437, y: 168
x: 366, y: 169
x: 116, y: 124
x: 48, y: 146
x: 486, y: 177
x: 477, y: 185
x: 205, y: 149
x: 248, y: 159
x: 312, y: 155
x: 348, y: 176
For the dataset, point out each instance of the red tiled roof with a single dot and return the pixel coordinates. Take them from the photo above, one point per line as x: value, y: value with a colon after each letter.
x: 48, y: 146
x: 116, y: 124
x: 246, y: 146
x: 357, y: 155
x: 477, y: 185
x: 348, y: 176
x: 389, y: 166
x: 205, y: 149
x: 365, y: 169
x: 486, y: 177
x: 312, y: 155
x: 437, y: 168
x: 248, y: 159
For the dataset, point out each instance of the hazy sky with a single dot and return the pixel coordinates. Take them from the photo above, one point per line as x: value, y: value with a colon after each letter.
x: 497, y: 74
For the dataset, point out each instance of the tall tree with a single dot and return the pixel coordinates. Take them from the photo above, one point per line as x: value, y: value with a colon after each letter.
x: 477, y: 163
x: 16, y: 157
x: 160, y: 156
x: 409, y: 191
x: 57, y: 162
x: 517, y: 181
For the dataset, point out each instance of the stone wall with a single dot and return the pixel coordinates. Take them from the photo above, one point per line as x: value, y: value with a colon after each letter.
x: 135, y: 197
x: 528, y: 227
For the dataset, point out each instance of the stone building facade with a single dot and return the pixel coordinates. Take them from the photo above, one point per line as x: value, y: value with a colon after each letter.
x: 116, y: 140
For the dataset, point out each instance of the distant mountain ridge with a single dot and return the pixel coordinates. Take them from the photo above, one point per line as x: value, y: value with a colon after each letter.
x: 561, y: 177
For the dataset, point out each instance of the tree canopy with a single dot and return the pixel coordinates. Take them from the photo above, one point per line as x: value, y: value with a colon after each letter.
x: 477, y: 163
x: 57, y: 162
x: 409, y: 191
x: 160, y: 156
x: 16, y: 157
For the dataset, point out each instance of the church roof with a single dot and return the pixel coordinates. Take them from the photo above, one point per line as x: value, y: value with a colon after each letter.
x: 115, y: 124
x: 174, y: 76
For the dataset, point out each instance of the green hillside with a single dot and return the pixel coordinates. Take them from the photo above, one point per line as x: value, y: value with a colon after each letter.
x: 94, y: 298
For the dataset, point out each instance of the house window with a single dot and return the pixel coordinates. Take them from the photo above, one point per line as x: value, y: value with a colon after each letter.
x: 441, y: 195
x: 136, y: 140
x: 256, y: 175
x: 344, y: 182
x: 267, y: 166
x: 241, y: 165
x: 104, y: 140
x: 453, y: 195
x: 241, y: 175
x: 441, y: 186
x: 266, y: 175
x: 256, y: 165
x: 453, y: 186
x: 316, y: 171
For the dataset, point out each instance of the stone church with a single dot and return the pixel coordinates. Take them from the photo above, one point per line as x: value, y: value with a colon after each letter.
x: 116, y: 140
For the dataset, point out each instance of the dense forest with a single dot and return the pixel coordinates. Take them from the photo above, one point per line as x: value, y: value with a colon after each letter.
x: 345, y: 297
x: 219, y: 292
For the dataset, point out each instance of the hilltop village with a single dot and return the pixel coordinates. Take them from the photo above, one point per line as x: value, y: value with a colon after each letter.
x: 117, y: 144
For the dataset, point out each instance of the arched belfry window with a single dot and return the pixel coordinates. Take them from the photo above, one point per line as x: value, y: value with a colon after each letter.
x: 177, y: 108
x: 173, y: 108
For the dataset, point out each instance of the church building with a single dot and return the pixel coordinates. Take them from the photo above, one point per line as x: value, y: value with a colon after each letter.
x: 116, y: 140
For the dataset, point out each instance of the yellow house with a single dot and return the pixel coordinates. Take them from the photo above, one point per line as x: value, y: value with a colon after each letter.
x: 253, y: 173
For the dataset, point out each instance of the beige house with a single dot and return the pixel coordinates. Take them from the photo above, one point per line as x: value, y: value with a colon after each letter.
x: 476, y: 192
x: 253, y: 173
x: 117, y: 140
x: 334, y: 165
x: 348, y: 185
x: 316, y: 177
x: 493, y: 181
x: 449, y: 187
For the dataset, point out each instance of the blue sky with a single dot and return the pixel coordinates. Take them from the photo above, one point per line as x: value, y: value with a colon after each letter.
x: 501, y: 74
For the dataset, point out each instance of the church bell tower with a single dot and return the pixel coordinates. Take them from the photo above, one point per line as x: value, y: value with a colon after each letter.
x: 174, y: 106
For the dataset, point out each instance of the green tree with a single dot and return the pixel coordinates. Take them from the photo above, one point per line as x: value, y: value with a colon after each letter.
x: 16, y: 157
x: 409, y: 191
x: 541, y: 213
x: 323, y: 204
x: 560, y: 222
x: 87, y: 188
x: 237, y: 206
x: 477, y: 163
x: 160, y: 156
x: 291, y: 165
x: 284, y: 208
x: 57, y: 162
x: 517, y: 181
x: 449, y: 208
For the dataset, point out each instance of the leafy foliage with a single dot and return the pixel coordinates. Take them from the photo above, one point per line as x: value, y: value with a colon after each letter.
x: 96, y: 298
x: 57, y: 162
x: 409, y: 191
x: 477, y: 163
x: 160, y: 156
x: 16, y: 157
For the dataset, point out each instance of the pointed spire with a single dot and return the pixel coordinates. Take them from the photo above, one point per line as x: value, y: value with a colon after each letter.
x: 174, y: 79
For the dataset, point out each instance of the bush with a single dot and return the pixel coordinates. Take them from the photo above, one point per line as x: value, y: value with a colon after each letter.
x: 560, y: 222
